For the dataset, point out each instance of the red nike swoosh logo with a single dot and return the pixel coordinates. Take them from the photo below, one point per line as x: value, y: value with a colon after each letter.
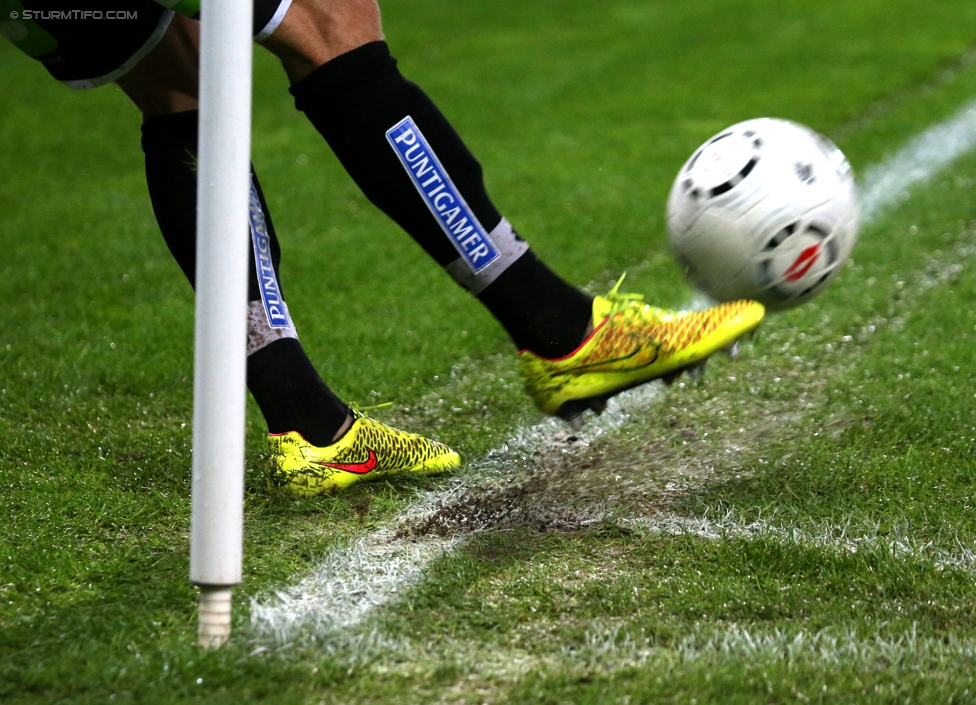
x: 803, y: 263
x: 362, y: 468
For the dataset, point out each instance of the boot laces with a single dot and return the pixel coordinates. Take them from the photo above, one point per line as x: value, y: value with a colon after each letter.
x: 621, y: 300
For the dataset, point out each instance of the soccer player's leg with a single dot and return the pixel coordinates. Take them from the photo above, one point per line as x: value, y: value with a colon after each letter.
x: 317, y: 443
x: 403, y: 153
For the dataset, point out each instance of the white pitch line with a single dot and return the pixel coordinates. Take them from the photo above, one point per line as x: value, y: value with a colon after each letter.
x: 346, y: 585
x: 889, y: 182
x: 358, y: 577
x: 898, y: 541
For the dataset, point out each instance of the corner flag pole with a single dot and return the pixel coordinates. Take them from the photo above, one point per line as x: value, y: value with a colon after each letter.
x: 220, y: 335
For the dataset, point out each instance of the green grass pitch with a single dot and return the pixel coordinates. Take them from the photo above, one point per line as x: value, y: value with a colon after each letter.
x: 799, y: 526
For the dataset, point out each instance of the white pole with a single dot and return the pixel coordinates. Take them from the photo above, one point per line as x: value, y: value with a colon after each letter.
x: 223, y: 183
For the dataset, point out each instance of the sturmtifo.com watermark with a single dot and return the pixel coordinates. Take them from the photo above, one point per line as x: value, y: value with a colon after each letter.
x: 75, y: 15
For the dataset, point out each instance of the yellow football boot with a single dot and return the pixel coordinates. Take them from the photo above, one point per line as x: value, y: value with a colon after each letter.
x: 631, y: 343
x: 369, y: 450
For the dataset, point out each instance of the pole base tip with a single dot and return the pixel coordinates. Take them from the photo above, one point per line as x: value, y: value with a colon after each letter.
x: 214, y: 617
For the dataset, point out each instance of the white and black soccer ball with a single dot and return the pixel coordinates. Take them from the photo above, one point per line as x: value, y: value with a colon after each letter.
x: 764, y: 210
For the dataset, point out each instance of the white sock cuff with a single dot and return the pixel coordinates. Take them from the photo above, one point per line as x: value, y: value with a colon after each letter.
x: 510, y: 247
x: 260, y: 334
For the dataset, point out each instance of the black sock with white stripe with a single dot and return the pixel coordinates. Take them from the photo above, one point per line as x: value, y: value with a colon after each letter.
x: 280, y: 376
x: 409, y: 161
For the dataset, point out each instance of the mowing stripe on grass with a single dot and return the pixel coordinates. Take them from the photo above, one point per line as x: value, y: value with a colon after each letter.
x: 357, y: 577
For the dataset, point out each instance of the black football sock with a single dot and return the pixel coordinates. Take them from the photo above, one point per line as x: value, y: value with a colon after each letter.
x: 281, y: 378
x: 170, y: 145
x: 409, y: 161
x: 540, y: 311
x: 290, y: 393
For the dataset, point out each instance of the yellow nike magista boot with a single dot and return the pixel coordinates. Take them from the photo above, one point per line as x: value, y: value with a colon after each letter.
x: 369, y: 450
x: 631, y: 343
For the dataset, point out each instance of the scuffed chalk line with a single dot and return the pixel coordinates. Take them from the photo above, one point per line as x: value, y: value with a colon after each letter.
x: 357, y: 577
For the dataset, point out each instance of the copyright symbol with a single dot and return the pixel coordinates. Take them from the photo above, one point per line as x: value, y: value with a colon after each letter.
x: 13, y: 15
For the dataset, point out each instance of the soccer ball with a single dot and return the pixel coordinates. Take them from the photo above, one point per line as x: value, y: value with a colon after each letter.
x: 764, y: 210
